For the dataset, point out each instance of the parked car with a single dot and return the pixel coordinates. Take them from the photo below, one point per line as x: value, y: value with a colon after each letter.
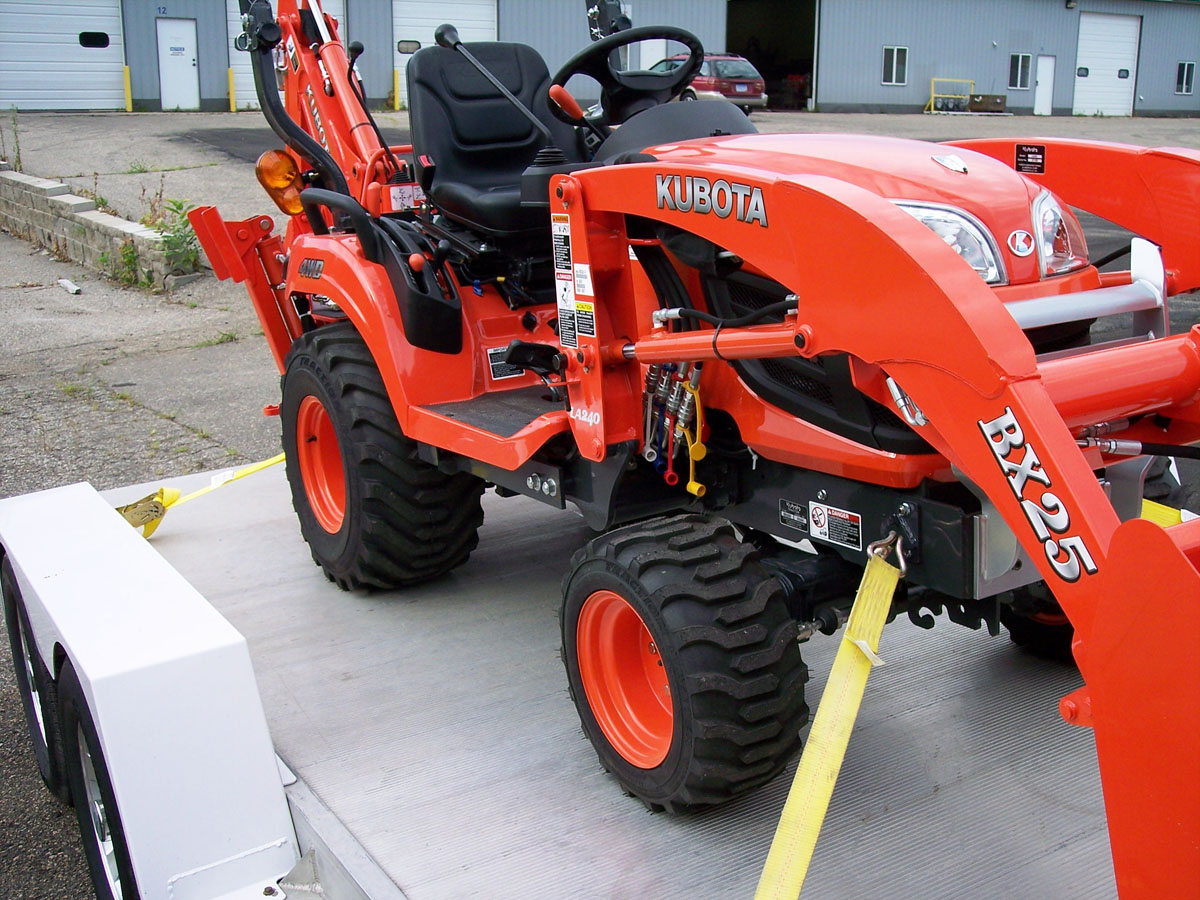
x: 723, y: 76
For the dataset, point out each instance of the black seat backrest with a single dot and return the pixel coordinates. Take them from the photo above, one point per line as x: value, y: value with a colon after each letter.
x: 474, y: 136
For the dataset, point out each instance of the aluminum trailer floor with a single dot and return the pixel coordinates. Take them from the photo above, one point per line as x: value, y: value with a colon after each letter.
x: 435, y: 724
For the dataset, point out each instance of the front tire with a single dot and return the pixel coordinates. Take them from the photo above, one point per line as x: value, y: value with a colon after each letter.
x: 688, y: 96
x: 39, y: 694
x: 373, y: 513
x: 104, y: 845
x: 682, y: 661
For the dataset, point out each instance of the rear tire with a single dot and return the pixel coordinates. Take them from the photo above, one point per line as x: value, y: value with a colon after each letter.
x: 682, y: 661
x: 39, y: 694
x: 688, y: 96
x: 373, y: 513
x: 104, y: 846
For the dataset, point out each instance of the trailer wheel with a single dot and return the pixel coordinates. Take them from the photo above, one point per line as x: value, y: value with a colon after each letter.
x: 39, y: 696
x: 100, y: 827
x: 373, y: 513
x: 682, y: 661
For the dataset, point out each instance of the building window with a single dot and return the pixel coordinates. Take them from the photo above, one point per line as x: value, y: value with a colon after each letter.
x: 1018, y: 71
x: 895, y: 65
x: 1185, y: 75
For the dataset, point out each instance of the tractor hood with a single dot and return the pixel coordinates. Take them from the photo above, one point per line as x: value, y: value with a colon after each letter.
x: 893, y: 168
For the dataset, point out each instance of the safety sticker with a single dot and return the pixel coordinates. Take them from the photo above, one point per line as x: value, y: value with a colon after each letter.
x: 565, y: 293
x: 838, y: 526
x: 793, y: 515
x: 500, y: 368
x: 293, y: 58
x: 583, y: 279
x: 1031, y: 158
x: 406, y: 196
x: 560, y: 229
x: 585, y: 318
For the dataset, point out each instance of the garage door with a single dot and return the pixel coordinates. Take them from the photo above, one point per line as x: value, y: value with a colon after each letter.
x: 243, y: 77
x: 62, y: 55
x: 415, y: 20
x: 1106, y: 64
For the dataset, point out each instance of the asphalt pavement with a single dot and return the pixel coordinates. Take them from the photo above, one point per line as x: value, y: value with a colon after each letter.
x: 117, y: 386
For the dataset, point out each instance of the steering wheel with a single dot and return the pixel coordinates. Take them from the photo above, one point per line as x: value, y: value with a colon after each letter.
x: 622, y: 94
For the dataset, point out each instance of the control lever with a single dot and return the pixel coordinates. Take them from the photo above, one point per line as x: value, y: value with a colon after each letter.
x: 447, y: 36
x: 563, y: 100
x: 544, y: 359
x: 440, y: 252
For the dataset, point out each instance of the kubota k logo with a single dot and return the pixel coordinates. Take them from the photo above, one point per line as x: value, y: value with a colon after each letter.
x: 1020, y: 243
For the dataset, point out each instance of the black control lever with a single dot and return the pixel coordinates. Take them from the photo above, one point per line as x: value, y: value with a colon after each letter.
x: 544, y: 359
x: 447, y: 36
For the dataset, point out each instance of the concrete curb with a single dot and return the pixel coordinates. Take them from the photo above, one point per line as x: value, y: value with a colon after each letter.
x: 46, y: 213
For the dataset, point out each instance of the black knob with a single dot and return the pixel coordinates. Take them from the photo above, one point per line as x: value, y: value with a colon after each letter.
x: 446, y: 36
x: 356, y: 50
x: 440, y: 252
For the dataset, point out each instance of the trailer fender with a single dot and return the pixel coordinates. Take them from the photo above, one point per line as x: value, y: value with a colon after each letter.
x: 168, y: 684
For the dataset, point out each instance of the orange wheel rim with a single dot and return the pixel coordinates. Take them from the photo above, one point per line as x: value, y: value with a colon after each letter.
x: 320, y: 460
x: 624, y: 679
x: 1045, y: 618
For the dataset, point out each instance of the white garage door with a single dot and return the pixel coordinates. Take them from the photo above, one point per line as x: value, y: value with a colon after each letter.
x: 1106, y: 66
x: 243, y: 77
x: 62, y: 55
x: 415, y: 20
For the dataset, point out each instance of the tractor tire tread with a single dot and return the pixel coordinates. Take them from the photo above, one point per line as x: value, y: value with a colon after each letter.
x: 418, y: 522
x: 744, y: 676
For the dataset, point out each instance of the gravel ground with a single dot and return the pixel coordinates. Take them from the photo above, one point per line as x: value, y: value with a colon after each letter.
x: 116, y: 386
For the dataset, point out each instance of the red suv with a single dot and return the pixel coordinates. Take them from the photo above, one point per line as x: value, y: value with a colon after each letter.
x: 722, y: 77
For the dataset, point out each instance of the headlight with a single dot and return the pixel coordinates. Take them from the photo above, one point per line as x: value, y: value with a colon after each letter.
x: 1060, y: 243
x: 963, y: 233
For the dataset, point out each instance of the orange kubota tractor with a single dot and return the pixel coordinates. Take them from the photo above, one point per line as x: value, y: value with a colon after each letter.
x: 742, y: 358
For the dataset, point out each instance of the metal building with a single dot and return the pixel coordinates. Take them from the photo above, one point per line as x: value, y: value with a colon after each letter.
x: 1110, y: 57
x: 179, y: 54
x: 1060, y: 57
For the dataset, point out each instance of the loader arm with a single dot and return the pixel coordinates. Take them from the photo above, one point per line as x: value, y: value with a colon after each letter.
x: 927, y: 320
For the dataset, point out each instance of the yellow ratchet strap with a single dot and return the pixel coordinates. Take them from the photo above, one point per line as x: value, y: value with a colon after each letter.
x: 804, y: 812
x: 149, y: 511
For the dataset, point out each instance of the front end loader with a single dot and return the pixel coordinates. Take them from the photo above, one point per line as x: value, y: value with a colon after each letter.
x: 743, y: 359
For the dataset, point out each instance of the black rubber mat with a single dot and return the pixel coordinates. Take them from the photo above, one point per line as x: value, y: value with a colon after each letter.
x: 503, y: 412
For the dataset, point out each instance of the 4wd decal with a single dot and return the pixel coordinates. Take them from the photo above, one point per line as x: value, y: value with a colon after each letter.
x: 310, y: 268
x: 691, y: 193
x: 1046, y: 513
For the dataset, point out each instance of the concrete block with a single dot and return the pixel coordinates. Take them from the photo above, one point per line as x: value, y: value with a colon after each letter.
x: 69, y: 204
x: 43, y: 186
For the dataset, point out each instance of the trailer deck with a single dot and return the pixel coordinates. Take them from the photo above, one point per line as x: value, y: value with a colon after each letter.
x: 434, y: 724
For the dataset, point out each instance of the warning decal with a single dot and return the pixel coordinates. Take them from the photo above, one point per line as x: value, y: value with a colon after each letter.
x: 501, y: 369
x: 585, y: 318
x: 793, y: 515
x: 838, y: 526
x: 560, y: 227
x: 565, y: 293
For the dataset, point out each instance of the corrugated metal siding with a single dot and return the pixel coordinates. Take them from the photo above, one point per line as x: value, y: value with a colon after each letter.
x: 1170, y: 34
x: 417, y: 20
x: 558, y: 28
x: 212, y: 37
x: 945, y: 39
x: 954, y: 39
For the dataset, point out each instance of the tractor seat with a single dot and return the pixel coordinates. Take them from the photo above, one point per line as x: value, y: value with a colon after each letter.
x: 479, y: 142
